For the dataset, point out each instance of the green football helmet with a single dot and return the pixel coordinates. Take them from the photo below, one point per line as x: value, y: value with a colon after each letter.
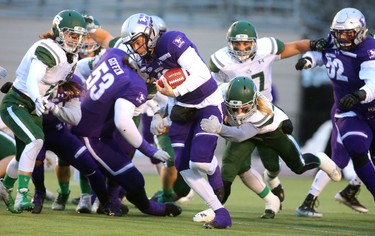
x: 90, y: 45
x: 69, y: 26
x: 241, y: 31
x: 241, y: 99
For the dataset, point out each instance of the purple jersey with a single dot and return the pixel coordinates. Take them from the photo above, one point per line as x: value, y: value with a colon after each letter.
x: 110, y: 80
x: 343, y: 69
x: 166, y: 53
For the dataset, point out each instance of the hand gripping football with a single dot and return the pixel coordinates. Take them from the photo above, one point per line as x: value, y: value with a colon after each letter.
x: 174, y: 77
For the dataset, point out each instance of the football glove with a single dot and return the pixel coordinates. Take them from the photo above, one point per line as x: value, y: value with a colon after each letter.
x: 90, y: 26
x: 40, y: 109
x: 351, y: 99
x: 51, y: 107
x: 162, y: 155
x: 157, y: 125
x: 211, y: 125
x: 318, y: 44
x: 304, y: 63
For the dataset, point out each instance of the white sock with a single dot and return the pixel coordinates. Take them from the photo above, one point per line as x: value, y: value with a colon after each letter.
x: 253, y: 180
x: 355, y: 181
x: 272, y: 182
x: 320, y: 182
x: 200, y: 185
x: 349, y: 172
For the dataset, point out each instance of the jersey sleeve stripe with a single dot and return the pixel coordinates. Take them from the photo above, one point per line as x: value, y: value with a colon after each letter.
x: 53, y: 53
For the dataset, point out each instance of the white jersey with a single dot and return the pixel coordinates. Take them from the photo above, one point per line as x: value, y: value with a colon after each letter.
x: 258, y: 123
x: 58, y: 69
x: 259, y: 68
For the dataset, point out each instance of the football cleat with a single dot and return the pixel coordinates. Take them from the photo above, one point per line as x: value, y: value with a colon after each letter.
x: 84, y: 204
x: 272, y: 206
x: 38, y: 200
x: 222, y: 220
x: 268, y: 214
x: 22, y: 202
x: 111, y: 209
x: 204, y: 216
x: 172, y: 209
x: 60, y: 202
x: 348, y: 197
x: 6, y: 194
x: 307, y: 207
x: 50, y: 196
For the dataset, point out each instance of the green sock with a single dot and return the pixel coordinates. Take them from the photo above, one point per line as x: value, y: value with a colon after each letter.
x: 64, y: 188
x: 23, y: 182
x: 180, y: 187
x: 167, y: 191
x: 84, y: 184
x: 8, y: 181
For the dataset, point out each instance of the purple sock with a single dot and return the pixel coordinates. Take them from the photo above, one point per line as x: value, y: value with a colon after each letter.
x: 98, y: 185
x: 38, y: 178
x: 113, y: 194
x: 367, y: 174
x: 215, y: 179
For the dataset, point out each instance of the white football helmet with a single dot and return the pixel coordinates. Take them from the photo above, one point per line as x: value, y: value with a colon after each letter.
x: 160, y: 23
x: 352, y: 23
x: 137, y: 25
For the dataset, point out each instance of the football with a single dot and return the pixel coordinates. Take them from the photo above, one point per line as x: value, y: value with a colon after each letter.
x: 174, y: 77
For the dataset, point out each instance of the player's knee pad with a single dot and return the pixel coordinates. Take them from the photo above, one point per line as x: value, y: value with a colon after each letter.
x: 29, y: 155
x: 208, y: 168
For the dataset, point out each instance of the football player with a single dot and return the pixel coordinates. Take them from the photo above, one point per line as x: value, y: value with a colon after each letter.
x: 250, y: 56
x: 350, y: 66
x: 198, y: 97
x: 114, y: 94
x: 254, y: 121
x: 48, y: 63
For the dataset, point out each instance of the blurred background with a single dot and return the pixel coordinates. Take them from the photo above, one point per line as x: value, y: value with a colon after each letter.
x: 306, y: 97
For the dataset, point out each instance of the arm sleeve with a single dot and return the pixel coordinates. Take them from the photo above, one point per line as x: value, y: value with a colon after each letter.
x: 70, y: 113
x: 124, y: 111
x: 36, y: 74
x: 238, y: 133
x: 199, y: 72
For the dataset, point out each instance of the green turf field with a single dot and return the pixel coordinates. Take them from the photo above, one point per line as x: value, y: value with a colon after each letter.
x: 245, y: 208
